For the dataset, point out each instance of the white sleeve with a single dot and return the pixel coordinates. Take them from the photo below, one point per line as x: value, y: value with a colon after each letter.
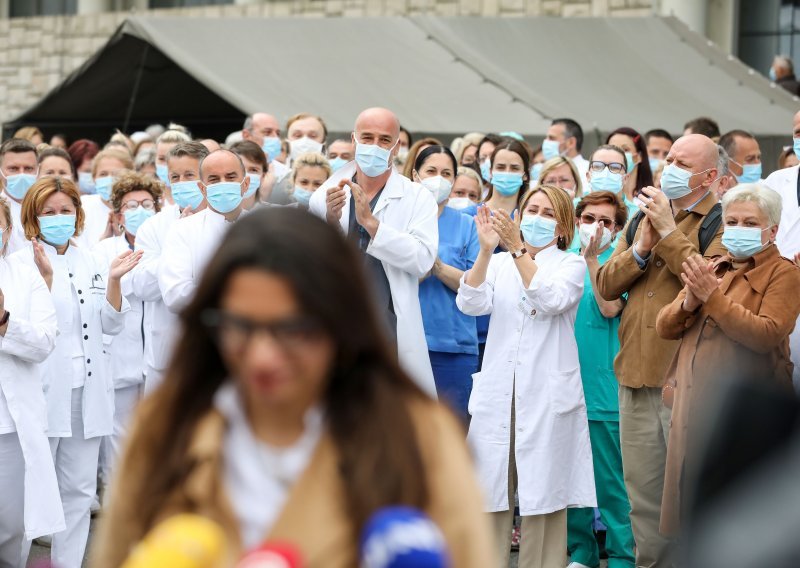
x: 144, y: 278
x: 32, y: 338
x: 554, y: 292
x: 479, y: 301
x: 175, y: 278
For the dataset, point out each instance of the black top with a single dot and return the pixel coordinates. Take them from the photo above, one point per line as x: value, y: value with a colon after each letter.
x: 790, y: 84
x: 378, y: 282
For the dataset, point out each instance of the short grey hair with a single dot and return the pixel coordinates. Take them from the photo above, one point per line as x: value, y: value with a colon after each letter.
x: 767, y: 200
x: 144, y: 158
x: 722, y: 162
x: 784, y: 62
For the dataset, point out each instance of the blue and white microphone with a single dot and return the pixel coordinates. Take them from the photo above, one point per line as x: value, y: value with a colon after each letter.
x: 402, y: 537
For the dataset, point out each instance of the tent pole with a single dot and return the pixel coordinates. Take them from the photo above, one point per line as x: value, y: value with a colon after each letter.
x: 135, y: 90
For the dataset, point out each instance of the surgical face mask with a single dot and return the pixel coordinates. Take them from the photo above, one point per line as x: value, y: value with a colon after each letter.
x: 372, y: 159
x: 86, y: 183
x: 103, y: 186
x: 336, y: 163
x: 302, y: 195
x: 536, y: 170
x: 587, y: 231
x: 187, y: 194
x: 57, y: 229
x: 135, y: 217
x: 255, y: 183
x: 163, y: 173
x: 438, y: 186
x: 743, y: 242
x: 402, y: 152
x: 486, y: 170
x: 225, y: 196
x: 304, y: 145
x: 654, y: 163
x: 271, y: 147
x: 550, y: 149
x: 538, y: 231
x: 675, y: 181
x: 18, y: 185
x: 751, y: 173
x: 796, y: 147
x: 606, y: 181
x: 460, y: 203
x: 771, y: 74
x: 629, y: 162
x: 507, y: 183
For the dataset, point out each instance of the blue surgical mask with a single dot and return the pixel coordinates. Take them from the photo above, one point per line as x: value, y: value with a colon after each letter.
x: 103, y: 186
x: 629, y: 162
x: 796, y: 147
x: 538, y: 231
x: 135, y: 217
x: 486, y: 170
x: 507, y: 183
x: 271, y: 147
x: 336, y: 163
x: 675, y: 181
x: 302, y: 196
x: 751, y: 173
x: 536, y: 170
x: 654, y: 163
x: 225, y: 196
x: 605, y: 181
x: 771, y: 74
x: 86, y: 183
x: 550, y: 149
x: 372, y: 159
x: 163, y: 173
x: 19, y: 184
x: 743, y: 242
x: 57, y: 229
x: 187, y: 194
x: 255, y: 183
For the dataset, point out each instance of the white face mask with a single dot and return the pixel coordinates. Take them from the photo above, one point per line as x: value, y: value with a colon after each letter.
x: 438, y: 186
x: 460, y: 203
x: 586, y: 232
x: 304, y: 145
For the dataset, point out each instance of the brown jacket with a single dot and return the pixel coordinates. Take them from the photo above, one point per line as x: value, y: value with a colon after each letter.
x: 315, y: 517
x: 643, y: 357
x: 742, y: 329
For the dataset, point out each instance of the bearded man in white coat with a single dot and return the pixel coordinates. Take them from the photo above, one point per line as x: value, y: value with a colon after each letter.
x: 786, y: 183
x: 394, y: 222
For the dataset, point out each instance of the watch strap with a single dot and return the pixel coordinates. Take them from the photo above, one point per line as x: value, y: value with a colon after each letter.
x: 520, y: 253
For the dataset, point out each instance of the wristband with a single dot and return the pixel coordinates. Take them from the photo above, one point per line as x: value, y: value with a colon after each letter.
x: 519, y: 254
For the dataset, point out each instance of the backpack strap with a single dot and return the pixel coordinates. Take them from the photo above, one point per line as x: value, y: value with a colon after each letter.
x: 709, y: 227
x: 630, y: 232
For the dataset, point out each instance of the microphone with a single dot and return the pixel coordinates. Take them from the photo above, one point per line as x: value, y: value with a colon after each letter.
x: 182, y: 541
x: 272, y: 555
x: 402, y: 537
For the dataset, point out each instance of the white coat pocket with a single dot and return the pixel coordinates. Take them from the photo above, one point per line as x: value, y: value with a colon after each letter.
x: 566, y: 391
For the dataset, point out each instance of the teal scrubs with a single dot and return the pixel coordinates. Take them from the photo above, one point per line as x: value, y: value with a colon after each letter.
x: 598, y: 344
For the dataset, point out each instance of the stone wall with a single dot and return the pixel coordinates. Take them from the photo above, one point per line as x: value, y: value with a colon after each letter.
x: 37, y: 53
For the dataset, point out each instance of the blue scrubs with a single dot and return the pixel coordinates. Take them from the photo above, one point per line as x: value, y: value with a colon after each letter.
x: 451, y: 335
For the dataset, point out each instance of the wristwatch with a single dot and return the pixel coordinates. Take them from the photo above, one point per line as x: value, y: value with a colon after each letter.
x: 4, y: 319
x: 519, y: 254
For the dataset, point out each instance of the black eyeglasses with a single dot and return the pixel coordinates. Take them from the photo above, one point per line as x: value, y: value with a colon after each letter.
x: 614, y: 167
x: 233, y: 333
x: 588, y: 219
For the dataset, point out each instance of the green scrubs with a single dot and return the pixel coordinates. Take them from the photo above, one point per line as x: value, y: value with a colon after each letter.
x: 598, y: 344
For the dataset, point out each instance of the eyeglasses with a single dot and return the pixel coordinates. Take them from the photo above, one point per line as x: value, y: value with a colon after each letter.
x: 588, y: 219
x: 613, y: 167
x: 145, y: 203
x: 234, y: 333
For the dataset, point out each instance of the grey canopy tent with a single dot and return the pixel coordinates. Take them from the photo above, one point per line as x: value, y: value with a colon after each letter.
x: 443, y: 76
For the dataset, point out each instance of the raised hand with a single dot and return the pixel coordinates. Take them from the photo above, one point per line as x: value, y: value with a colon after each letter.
x: 699, y: 278
x: 123, y: 264
x: 42, y: 262
x: 507, y: 230
x: 591, y: 249
x: 334, y: 202
x: 488, y: 238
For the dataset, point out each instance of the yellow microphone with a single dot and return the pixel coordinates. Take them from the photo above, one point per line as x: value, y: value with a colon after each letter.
x: 182, y: 541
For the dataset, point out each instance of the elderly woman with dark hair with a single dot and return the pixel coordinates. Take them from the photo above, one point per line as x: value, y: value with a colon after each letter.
x: 733, y: 317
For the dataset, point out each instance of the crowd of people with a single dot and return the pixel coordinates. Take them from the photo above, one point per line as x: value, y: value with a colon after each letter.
x: 255, y: 330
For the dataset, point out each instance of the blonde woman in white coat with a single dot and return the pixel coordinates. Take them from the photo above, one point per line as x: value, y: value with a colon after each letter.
x: 77, y: 383
x: 134, y: 199
x: 529, y: 429
x: 30, y: 505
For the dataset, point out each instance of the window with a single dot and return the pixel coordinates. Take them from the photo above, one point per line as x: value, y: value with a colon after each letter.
x: 768, y: 28
x: 28, y: 8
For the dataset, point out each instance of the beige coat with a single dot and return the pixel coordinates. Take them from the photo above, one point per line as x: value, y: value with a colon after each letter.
x: 644, y: 356
x: 743, y: 329
x: 315, y: 518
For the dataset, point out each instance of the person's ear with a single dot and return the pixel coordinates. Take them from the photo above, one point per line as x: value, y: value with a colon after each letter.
x: 203, y: 188
x: 245, y: 184
x: 773, y: 233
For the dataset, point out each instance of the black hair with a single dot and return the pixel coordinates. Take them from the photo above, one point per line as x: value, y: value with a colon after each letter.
x: 429, y: 151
